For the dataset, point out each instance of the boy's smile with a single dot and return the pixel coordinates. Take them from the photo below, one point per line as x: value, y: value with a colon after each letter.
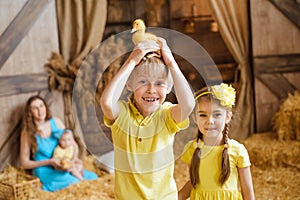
x: 150, y: 99
x: 149, y: 92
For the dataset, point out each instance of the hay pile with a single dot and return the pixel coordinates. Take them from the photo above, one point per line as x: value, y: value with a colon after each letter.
x: 275, y: 171
x: 287, y: 119
x: 275, y: 166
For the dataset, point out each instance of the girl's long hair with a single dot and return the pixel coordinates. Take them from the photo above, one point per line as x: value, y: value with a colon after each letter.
x: 29, y: 125
x: 195, y: 163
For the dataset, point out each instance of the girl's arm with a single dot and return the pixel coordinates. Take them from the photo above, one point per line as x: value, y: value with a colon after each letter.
x: 184, y: 192
x: 246, y: 183
x: 26, y: 162
x: 113, y: 90
x: 183, y: 91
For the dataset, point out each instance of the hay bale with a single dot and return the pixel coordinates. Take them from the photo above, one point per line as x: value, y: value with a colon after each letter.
x: 287, y: 119
x: 266, y: 151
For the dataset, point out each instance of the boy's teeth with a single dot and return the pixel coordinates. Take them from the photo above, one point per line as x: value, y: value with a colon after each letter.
x: 150, y: 99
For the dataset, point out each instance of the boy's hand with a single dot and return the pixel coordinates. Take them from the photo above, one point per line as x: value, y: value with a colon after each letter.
x: 141, y: 49
x: 166, y: 52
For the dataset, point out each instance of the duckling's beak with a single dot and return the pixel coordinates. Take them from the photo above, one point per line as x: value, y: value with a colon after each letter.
x: 133, y: 30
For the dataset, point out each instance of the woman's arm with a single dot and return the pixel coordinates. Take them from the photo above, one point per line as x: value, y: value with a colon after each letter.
x: 25, y: 150
x: 184, y: 192
x: 113, y: 90
x: 246, y: 183
x: 76, y: 150
x: 59, y: 123
x: 183, y: 91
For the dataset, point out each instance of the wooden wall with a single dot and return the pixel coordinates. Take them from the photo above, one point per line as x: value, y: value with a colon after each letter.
x: 25, y: 45
x: 276, y: 56
x: 176, y: 14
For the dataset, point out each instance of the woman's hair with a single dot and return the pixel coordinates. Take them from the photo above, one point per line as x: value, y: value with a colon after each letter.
x: 152, y: 65
x: 28, y: 122
x: 195, y: 163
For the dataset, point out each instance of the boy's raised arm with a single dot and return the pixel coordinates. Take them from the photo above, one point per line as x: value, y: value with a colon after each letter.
x: 183, y: 91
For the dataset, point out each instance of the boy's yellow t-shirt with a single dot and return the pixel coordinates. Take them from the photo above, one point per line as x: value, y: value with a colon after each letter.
x: 143, y: 147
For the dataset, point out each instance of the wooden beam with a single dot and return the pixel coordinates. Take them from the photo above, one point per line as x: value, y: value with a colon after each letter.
x: 277, y: 64
x: 10, y: 148
x: 277, y: 83
x: 11, y: 85
x: 290, y: 8
x: 19, y: 27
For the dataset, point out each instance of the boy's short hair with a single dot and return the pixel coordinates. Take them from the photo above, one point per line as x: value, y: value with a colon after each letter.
x: 152, y: 65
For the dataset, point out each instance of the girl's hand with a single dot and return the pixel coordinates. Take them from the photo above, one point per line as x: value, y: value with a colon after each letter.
x: 166, y: 52
x: 141, y: 49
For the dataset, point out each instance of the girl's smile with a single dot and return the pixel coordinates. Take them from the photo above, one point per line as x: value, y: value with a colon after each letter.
x: 211, y: 120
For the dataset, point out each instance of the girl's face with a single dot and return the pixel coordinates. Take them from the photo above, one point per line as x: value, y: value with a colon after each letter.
x: 66, y: 140
x: 149, y: 92
x: 211, y: 118
x: 38, y: 110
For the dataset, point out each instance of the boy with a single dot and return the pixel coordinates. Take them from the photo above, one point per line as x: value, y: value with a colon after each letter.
x: 143, y: 128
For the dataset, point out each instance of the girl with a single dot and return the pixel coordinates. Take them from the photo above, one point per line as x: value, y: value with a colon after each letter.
x: 217, y: 163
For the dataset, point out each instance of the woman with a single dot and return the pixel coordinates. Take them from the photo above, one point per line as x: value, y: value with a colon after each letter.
x: 39, y: 138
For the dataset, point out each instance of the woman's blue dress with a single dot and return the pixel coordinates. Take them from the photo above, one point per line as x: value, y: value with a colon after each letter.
x: 50, y: 178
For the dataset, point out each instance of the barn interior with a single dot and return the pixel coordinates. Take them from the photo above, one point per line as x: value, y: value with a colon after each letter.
x: 67, y: 51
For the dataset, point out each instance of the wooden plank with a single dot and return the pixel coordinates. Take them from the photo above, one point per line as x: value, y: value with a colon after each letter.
x: 290, y: 8
x: 272, y: 32
x: 277, y: 83
x: 277, y: 64
x: 11, y: 85
x: 19, y: 27
x: 10, y: 148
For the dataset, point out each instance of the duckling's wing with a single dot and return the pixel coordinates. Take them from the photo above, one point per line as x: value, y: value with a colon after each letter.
x: 139, y: 37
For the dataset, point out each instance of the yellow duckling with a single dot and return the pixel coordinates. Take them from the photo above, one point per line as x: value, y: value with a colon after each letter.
x: 139, y: 34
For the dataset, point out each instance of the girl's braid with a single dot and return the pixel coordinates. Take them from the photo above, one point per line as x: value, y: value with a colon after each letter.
x: 194, y: 167
x: 225, y: 158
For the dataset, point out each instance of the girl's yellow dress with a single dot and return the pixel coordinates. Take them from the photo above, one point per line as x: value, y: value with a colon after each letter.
x: 209, y: 187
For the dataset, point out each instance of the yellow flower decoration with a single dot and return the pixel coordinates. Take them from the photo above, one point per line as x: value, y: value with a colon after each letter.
x: 224, y: 93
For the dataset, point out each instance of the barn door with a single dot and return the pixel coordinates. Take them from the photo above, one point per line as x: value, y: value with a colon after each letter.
x: 276, y: 55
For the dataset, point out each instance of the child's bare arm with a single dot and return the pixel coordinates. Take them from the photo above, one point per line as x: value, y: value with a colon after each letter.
x: 184, y: 192
x: 183, y: 91
x: 113, y: 90
x: 246, y: 183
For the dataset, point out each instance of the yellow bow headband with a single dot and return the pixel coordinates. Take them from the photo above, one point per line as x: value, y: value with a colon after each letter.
x: 223, y: 92
x: 202, y: 94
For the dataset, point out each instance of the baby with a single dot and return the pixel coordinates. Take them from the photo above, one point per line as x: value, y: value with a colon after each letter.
x: 66, y: 152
